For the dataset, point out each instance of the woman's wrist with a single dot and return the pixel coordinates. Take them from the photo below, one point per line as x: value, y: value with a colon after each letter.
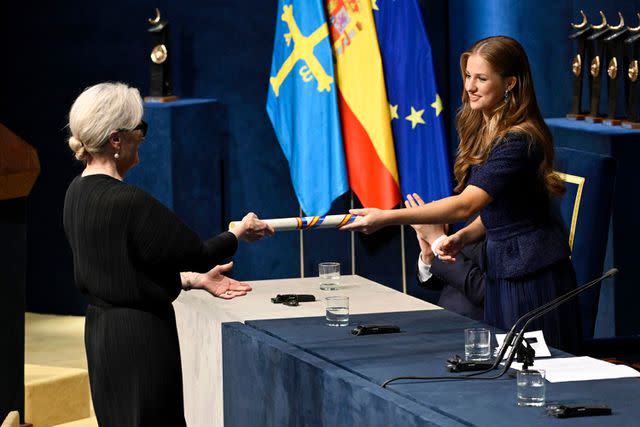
x: 189, y: 280
x: 237, y: 231
x: 463, y: 236
x: 388, y: 217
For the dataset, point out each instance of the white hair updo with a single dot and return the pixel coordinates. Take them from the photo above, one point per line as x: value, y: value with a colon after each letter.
x: 97, y: 112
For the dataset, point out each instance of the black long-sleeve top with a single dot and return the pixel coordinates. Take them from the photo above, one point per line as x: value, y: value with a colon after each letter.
x: 128, y: 248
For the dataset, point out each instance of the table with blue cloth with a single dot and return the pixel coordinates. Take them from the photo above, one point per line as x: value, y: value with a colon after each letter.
x: 301, y: 372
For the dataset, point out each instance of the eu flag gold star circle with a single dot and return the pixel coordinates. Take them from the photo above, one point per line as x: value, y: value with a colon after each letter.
x: 437, y: 105
x: 415, y: 117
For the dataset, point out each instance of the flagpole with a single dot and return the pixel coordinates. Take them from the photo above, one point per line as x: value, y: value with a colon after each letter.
x: 404, y: 263
x: 353, y: 245
x: 301, y: 247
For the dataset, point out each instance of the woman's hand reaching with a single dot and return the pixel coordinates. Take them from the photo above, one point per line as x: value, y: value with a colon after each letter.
x: 369, y: 220
x: 216, y: 283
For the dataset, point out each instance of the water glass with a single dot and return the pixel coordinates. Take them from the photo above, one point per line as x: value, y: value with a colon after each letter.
x: 477, y: 346
x: 531, y: 387
x: 337, y: 311
x: 329, y: 275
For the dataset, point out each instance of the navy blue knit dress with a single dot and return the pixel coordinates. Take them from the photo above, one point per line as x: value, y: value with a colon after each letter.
x: 527, y: 253
x: 128, y: 252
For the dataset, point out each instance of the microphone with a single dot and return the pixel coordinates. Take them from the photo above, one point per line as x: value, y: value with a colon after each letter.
x: 541, y: 311
x: 526, y: 318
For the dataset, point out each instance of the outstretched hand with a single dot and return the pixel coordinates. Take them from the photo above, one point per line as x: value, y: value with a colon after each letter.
x: 217, y: 284
x: 427, y: 232
x: 369, y: 220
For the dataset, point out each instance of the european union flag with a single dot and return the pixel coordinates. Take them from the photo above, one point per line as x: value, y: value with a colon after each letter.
x: 302, y: 105
x: 416, y: 107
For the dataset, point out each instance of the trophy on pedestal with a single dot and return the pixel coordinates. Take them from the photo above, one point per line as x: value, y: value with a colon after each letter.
x: 580, y: 36
x: 632, y: 85
x: 595, y: 53
x: 614, y: 54
x: 160, y: 89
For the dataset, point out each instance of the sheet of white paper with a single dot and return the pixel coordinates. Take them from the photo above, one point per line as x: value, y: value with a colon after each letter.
x: 540, y: 345
x: 583, y: 368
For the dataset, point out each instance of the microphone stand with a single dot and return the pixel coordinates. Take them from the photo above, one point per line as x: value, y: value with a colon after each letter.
x: 527, y: 318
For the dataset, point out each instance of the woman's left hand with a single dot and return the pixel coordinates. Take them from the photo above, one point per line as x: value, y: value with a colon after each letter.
x: 219, y: 285
x: 449, y: 247
x: 369, y: 220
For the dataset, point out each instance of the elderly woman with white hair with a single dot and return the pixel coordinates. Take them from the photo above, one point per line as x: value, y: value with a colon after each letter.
x: 132, y: 256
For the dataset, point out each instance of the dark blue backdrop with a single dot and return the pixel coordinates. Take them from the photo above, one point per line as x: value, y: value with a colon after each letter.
x: 222, y: 49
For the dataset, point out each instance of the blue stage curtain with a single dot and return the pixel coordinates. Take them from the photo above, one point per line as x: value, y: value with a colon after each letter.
x: 181, y: 160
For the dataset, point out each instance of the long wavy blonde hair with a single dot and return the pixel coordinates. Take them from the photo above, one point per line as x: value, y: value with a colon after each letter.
x: 518, y: 113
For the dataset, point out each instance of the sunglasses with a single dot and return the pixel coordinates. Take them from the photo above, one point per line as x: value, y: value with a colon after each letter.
x: 142, y: 127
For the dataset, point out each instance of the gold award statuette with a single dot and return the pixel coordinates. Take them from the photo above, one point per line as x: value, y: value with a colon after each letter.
x: 579, y: 37
x: 614, y: 53
x: 633, y: 91
x: 160, y: 88
x: 595, y: 66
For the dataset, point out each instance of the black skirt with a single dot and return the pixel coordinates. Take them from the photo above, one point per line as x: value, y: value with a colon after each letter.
x: 134, y: 365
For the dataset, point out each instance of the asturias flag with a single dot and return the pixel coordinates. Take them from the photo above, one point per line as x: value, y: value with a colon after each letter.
x: 368, y: 142
x: 302, y: 105
x: 414, y: 103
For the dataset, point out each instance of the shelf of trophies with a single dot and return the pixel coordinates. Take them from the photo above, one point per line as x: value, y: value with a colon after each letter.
x: 607, y: 56
x: 607, y: 121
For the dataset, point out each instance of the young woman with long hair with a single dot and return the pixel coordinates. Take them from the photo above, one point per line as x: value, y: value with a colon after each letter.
x: 504, y: 172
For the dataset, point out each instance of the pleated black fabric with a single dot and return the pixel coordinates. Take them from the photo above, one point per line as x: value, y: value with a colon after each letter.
x: 128, y: 251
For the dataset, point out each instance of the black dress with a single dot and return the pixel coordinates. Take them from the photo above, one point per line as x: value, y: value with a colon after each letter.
x: 527, y: 253
x: 128, y: 252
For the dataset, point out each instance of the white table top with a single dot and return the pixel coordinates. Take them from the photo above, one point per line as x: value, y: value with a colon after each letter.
x: 365, y: 296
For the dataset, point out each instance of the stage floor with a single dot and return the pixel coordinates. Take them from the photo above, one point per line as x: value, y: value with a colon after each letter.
x: 53, y: 340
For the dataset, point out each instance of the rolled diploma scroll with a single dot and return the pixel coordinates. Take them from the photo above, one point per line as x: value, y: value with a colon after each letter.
x: 306, y: 222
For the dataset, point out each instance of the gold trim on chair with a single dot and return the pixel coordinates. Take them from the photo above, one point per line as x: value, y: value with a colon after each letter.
x: 579, y: 181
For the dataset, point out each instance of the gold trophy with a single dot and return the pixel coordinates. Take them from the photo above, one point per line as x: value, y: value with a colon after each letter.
x: 583, y: 30
x: 614, y: 54
x: 595, y: 53
x: 631, y: 78
x: 160, y: 89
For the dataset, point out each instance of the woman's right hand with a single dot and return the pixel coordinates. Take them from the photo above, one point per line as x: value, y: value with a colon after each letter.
x: 369, y: 220
x: 252, y: 229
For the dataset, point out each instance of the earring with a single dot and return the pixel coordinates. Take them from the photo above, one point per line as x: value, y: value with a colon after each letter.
x: 506, y: 95
x: 116, y: 156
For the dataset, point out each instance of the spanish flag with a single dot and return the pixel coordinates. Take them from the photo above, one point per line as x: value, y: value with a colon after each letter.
x: 364, y: 109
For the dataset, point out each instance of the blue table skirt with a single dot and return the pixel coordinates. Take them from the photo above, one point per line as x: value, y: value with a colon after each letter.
x: 301, y: 372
